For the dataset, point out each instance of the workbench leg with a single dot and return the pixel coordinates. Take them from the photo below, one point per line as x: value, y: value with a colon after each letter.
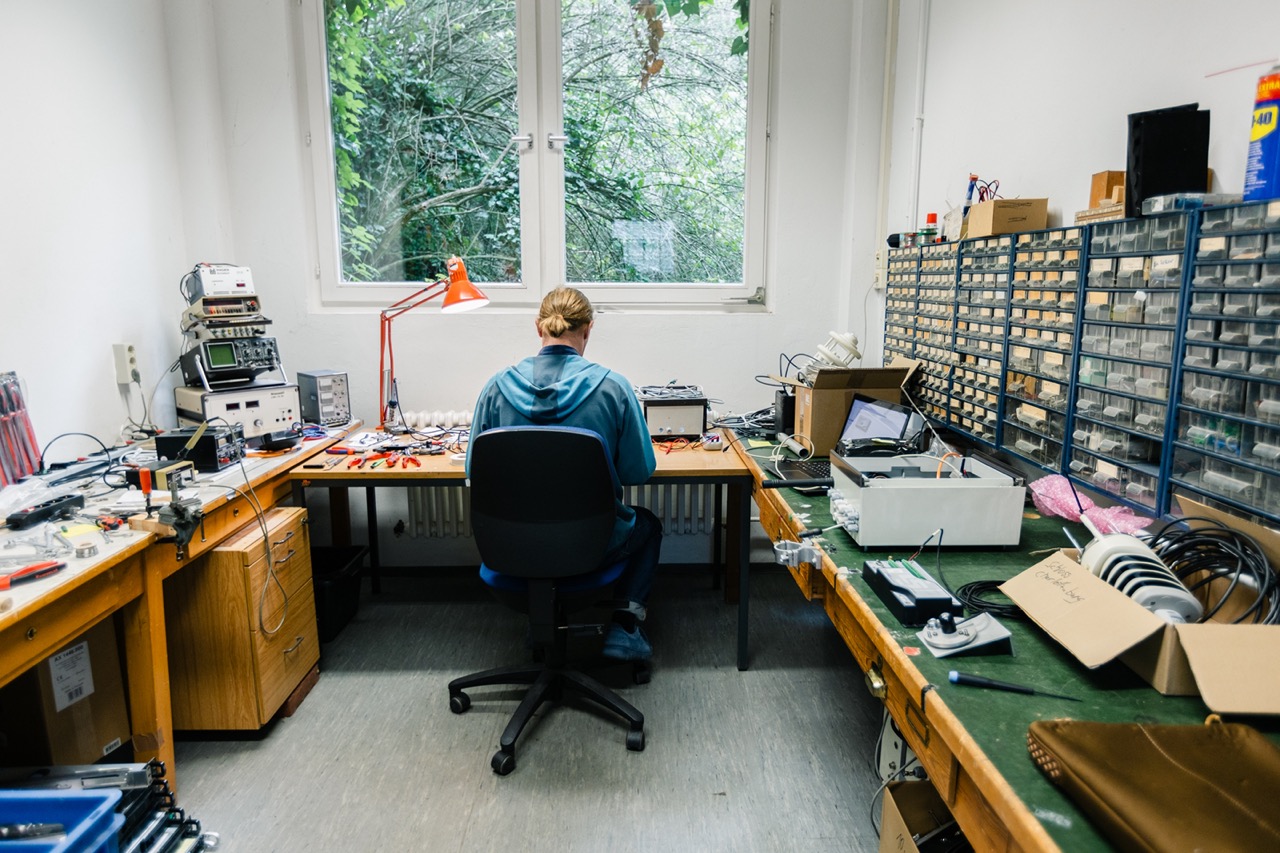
x: 147, y: 662
x: 340, y: 518
x: 375, y: 559
x: 717, y: 566
x: 740, y: 510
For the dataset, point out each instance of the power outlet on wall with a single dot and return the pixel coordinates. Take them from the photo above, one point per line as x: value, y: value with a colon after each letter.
x: 881, y: 272
x: 126, y: 362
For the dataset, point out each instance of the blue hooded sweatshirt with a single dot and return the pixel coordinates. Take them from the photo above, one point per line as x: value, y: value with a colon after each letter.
x: 558, y: 387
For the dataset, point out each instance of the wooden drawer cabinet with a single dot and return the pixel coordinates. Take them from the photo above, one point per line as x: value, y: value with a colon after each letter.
x: 241, y: 624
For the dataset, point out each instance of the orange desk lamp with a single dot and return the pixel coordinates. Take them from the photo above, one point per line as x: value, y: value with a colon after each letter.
x: 459, y: 295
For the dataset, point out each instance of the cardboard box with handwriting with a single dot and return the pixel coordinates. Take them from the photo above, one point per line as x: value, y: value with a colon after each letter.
x: 1235, y: 669
x: 823, y: 404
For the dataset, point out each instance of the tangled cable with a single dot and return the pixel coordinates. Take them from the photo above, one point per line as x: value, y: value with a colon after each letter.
x: 1200, y: 556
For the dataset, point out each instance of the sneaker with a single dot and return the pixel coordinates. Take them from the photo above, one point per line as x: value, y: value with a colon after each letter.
x: 621, y: 644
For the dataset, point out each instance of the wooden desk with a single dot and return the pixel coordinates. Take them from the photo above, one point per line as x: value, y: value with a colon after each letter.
x: 972, y: 742
x: 723, y: 468
x: 127, y: 578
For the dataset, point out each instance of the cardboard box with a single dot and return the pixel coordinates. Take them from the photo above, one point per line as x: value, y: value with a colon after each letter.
x: 1235, y: 669
x: 1102, y: 186
x: 911, y: 811
x: 1006, y: 216
x: 821, y: 408
x: 68, y: 709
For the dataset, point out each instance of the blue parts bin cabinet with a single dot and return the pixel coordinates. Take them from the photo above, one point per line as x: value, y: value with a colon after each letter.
x: 90, y: 817
x: 1140, y: 357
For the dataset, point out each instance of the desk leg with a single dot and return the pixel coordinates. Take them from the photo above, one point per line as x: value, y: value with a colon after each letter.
x: 340, y: 517
x: 740, y: 511
x: 147, y: 657
x: 375, y: 559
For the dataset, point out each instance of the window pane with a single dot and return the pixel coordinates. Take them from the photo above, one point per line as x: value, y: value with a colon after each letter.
x: 655, y: 108
x: 423, y: 101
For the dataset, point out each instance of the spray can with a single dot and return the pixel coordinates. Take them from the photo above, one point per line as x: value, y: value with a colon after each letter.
x: 1262, y: 170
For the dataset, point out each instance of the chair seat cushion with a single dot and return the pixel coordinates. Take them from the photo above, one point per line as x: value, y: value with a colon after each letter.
x: 590, y: 582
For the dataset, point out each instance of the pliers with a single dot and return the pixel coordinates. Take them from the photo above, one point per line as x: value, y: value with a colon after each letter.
x: 372, y: 457
x: 407, y: 460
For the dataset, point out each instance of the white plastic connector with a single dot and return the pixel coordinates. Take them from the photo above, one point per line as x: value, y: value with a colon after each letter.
x: 126, y: 362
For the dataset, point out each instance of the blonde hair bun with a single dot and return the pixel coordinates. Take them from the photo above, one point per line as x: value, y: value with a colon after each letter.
x: 564, y: 309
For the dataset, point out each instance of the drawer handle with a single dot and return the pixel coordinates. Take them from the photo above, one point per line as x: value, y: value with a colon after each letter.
x: 286, y: 538
x: 294, y: 647
x: 287, y: 557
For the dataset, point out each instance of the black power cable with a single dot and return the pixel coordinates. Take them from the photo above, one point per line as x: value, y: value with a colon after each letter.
x: 1214, y: 552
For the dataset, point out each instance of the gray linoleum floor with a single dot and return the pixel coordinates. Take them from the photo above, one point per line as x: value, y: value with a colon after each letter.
x: 777, y: 758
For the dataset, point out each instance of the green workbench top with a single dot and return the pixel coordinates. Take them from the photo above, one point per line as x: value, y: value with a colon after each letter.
x: 998, y: 720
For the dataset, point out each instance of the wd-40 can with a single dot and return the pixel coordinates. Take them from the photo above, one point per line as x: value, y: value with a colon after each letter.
x: 1262, y: 171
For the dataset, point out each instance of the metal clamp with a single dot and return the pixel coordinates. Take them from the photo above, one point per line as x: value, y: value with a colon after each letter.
x: 794, y: 553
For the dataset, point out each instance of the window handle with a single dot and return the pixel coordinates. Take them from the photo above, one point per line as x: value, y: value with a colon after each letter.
x: 553, y: 138
x: 524, y: 140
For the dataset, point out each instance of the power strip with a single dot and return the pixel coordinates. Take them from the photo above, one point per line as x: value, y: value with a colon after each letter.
x: 909, y: 591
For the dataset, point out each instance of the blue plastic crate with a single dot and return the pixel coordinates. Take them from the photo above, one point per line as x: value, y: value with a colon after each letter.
x: 92, y: 825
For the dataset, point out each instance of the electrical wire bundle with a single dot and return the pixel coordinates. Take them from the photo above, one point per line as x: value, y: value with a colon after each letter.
x: 1199, y: 557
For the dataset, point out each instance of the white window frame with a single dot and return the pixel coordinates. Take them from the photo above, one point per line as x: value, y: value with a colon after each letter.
x: 540, y: 109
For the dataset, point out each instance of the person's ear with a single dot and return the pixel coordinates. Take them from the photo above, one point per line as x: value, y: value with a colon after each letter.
x: 537, y: 326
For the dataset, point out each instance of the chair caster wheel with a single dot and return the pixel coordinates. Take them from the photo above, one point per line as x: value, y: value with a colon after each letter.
x: 504, y: 762
x: 641, y: 673
x: 459, y: 702
x: 635, y: 740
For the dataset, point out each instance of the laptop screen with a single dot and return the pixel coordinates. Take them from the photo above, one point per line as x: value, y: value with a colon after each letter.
x: 870, y: 418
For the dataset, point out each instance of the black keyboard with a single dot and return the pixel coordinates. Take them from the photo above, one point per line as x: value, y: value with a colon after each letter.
x: 804, y: 469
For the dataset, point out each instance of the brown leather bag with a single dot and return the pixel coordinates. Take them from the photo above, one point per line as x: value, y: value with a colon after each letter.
x: 1166, y: 788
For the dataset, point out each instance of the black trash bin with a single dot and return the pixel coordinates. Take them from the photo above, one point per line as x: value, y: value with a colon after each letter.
x: 336, y: 575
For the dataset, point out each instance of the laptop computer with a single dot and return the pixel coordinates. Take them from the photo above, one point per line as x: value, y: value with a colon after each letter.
x: 871, y: 427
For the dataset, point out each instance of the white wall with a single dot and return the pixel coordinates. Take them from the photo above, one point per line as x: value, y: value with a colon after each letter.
x: 1037, y: 93
x: 91, y: 227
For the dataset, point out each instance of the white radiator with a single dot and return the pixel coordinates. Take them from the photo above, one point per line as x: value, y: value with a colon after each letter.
x: 444, y: 511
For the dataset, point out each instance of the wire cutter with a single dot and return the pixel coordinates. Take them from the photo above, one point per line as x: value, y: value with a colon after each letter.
x: 407, y: 460
x: 357, y: 462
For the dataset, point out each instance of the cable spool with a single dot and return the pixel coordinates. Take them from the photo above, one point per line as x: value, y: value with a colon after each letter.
x: 1126, y: 563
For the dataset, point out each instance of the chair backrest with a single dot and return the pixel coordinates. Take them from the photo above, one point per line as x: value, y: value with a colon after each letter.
x: 543, y: 500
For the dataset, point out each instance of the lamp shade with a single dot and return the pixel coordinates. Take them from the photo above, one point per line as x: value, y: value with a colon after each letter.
x: 462, y: 294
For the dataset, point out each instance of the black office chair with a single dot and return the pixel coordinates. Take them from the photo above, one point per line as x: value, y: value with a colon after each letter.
x: 542, y: 511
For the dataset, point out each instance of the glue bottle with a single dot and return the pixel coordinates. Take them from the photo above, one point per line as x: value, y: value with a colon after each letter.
x: 1262, y: 169
x: 929, y: 233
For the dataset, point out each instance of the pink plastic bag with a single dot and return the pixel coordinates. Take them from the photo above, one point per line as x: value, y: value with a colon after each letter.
x: 1055, y: 496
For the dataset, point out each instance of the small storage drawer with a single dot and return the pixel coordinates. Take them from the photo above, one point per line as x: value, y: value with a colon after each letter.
x: 282, y: 659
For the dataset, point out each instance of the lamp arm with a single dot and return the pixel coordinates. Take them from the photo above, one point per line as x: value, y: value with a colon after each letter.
x: 386, y: 355
x: 413, y: 300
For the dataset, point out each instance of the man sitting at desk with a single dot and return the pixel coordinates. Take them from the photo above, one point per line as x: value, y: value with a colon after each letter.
x: 558, y: 387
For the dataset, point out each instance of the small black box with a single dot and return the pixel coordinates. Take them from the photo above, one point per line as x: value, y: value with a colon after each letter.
x: 784, y: 412
x: 1168, y: 153
x: 220, y: 446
